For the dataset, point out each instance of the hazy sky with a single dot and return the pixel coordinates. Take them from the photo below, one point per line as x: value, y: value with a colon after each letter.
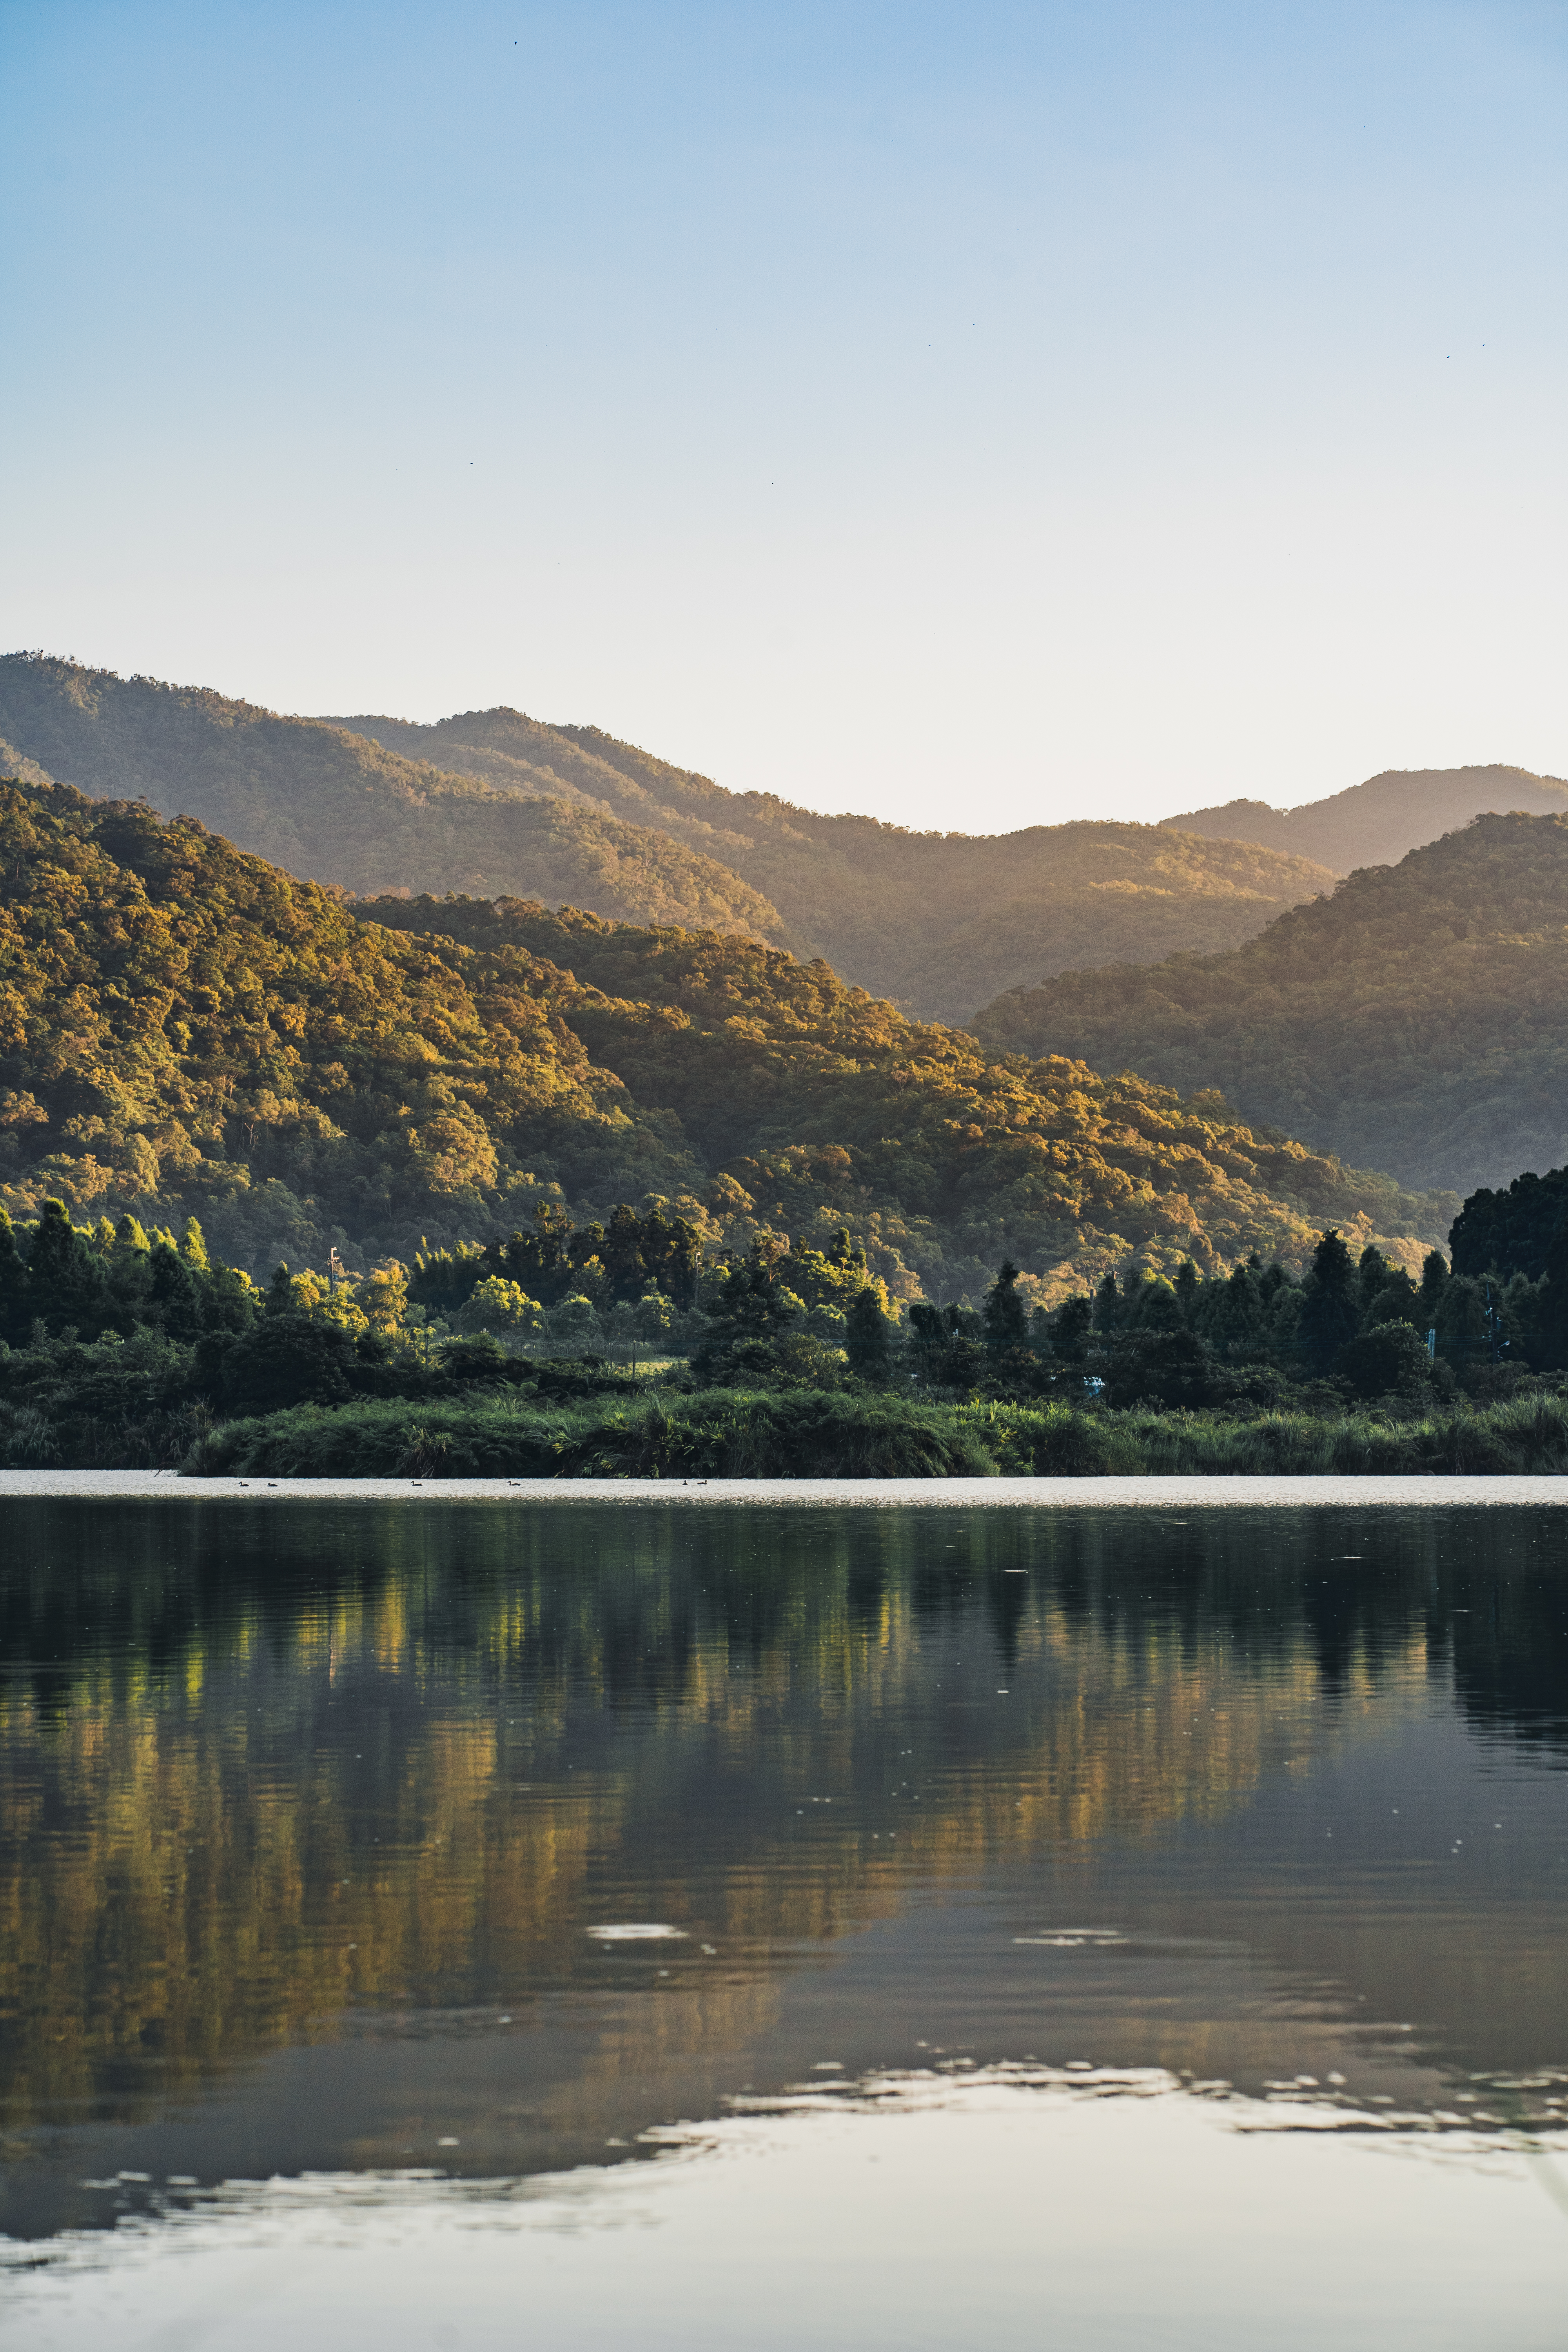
x: 972, y: 415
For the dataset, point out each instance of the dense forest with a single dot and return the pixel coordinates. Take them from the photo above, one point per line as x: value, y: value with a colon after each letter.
x: 118, y: 1347
x: 1417, y: 1018
x: 938, y: 921
x: 188, y: 1030
x: 1514, y: 1232
x: 497, y: 805
x: 1380, y: 822
x: 336, y: 806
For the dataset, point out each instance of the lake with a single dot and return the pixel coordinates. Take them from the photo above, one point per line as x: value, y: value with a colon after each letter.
x: 733, y: 1922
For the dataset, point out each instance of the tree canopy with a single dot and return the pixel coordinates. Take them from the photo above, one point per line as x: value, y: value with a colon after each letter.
x: 498, y: 803
x: 186, y: 1029
x: 1419, y: 1018
x: 1382, y: 821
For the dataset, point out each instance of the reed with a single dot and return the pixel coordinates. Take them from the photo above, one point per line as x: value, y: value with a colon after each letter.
x: 806, y: 1433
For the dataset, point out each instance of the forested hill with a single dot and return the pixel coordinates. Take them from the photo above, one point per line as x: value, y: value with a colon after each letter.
x: 1380, y: 822
x: 939, y: 921
x: 497, y: 805
x: 336, y: 806
x: 186, y: 1029
x: 1418, y: 1017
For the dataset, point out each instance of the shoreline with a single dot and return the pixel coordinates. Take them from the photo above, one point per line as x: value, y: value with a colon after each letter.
x: 1426, y: 1488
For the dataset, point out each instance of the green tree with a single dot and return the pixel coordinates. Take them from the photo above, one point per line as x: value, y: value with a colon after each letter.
x: 655, y: 1315
x: 1552, y: 1311
x: 15, y: 1311
x: 497, y: 1305
x: 749, y: 1311
x: 1429, y: 1298
x: 1389, y: 1359
x: 66, y: 1282
x: 175, y: 1295
x: 1004, y: 1318
x: 1071, y: 1330
x: 1461, y: 1322
x: 1330, y: 1309
x: 868, y: 1338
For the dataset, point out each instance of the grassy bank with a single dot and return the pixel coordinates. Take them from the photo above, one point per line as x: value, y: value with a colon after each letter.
x: 731, y: 1433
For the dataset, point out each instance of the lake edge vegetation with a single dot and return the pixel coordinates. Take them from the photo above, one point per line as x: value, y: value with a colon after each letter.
x: 121, y: 1348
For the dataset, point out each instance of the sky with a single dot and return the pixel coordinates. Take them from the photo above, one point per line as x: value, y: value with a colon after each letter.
x: 975, y: 416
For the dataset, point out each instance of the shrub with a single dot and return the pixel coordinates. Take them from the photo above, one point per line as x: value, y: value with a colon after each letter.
x: 497, y: 1305
x: 1387, y: 1361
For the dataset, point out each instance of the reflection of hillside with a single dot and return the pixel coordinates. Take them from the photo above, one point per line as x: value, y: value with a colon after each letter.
x: 272, y: 1775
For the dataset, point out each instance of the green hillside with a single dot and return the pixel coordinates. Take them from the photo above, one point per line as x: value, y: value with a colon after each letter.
x: 496, y: 804
x: 939, y: 921
x: 186, y: 1029
x: 1380, y: 822
x: 338, y: 807
x: 1419, y: 1017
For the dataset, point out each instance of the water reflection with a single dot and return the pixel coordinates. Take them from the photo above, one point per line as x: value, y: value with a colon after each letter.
x: 307, y: 1811
x: 1094, y: 2210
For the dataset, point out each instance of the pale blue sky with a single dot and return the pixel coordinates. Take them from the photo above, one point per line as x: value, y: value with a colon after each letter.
x: 974, y: 415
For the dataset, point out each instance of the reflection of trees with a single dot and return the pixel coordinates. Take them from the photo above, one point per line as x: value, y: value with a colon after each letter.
x: 261, y: 1767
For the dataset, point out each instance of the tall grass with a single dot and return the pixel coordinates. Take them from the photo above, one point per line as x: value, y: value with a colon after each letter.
x: 1527, y: 1435
x: 806, y: 1433
x: 721, y: 1434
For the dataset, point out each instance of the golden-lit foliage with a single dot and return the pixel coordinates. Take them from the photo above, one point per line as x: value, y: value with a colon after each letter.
x: 1419, y: 1018
x: 496, y: 802
x: 821, y: 1104
x: 320, y: 801
x: 183, y: 1026
x: 238, y: 1812
x: 939, y: 921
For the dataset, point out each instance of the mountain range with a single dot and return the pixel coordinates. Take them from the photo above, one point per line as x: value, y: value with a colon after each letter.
x: 1401, y: 1017
x: 1417, y: 1018
x: 186, y: 1029
x: 495, y: 804
x: 1380, y: 822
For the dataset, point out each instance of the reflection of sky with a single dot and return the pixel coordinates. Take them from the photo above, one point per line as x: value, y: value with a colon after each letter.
x: 992, y: 2213
x: 308, y: 1820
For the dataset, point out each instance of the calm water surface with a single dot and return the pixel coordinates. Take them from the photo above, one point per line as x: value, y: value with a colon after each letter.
x: 1094, y: 1928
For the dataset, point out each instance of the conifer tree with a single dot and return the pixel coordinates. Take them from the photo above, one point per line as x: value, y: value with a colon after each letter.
x: 65, y: 1283
x: 1069, y: 1332
x: 1004, y: 1318
x: 1373, y: 1271
x: 1553, y: 1312
x: 1428, y: 1299
x: 1331, y: 1314
x: 172, y: 1293
x: 868, y: 1338
x: 15, y: 1311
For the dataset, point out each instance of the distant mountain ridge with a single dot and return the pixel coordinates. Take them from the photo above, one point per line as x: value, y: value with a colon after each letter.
x: 928, y: 919
x: 494, y: 803
x: 338, y: 808
x: 1380, y: 821
x: 1418, y: 1017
